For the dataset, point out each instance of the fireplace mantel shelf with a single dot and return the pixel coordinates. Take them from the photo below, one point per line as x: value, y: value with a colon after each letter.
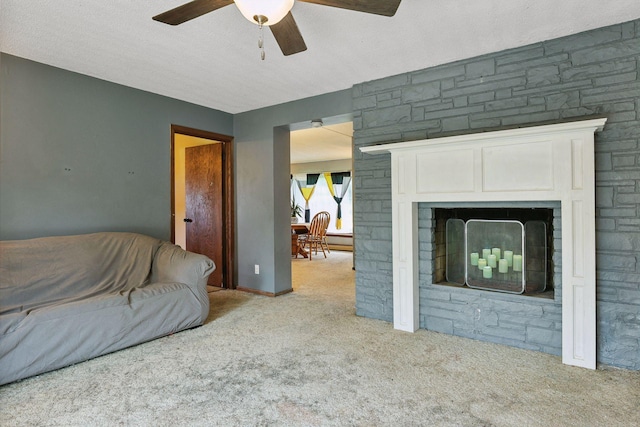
x: 535, y: 131
x: 535, y: 164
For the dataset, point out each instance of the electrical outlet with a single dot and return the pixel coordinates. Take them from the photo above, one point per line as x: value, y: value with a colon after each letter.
x: 257, y: 269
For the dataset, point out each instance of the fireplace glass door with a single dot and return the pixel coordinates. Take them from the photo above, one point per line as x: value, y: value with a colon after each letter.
x: 497, y: 255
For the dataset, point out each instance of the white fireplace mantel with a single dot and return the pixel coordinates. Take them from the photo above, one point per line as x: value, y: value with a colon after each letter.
x: 541, y: 163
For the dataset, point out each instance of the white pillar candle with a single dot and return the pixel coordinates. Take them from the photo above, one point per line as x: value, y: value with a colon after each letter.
x: 474, y: 258
x: 503, y: 266
x: 508, y: 255
x: 487, y: 272
x: 496, y: 252
x: 517, y: 263
x: 486, y: 252
x: 482, y: 263
x: 492, y: 260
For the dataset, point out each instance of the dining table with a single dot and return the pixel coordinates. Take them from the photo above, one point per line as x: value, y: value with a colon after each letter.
x: 296, y: 230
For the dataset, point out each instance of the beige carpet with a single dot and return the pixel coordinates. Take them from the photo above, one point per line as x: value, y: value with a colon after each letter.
x: 305, y: 359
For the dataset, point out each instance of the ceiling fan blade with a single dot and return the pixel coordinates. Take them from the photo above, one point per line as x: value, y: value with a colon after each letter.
x: 378, y: 7
x: 190, y: 10
x: 288, y: 36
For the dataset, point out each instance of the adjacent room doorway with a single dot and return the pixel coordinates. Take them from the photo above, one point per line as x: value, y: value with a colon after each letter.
x: 202, y: 198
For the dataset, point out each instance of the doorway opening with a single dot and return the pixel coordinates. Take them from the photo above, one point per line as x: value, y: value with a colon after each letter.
x: 321, y: 165
x: 202, y: 198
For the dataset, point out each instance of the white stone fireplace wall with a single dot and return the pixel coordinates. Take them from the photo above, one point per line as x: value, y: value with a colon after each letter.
x: 553, y: 163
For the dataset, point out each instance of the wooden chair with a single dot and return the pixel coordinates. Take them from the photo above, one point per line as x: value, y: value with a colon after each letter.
x: 317, y: 234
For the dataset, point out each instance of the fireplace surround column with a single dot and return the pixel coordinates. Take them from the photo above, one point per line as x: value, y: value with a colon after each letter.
x: 541, y: 163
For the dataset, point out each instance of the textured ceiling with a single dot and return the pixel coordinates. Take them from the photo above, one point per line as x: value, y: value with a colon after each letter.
x: 214, y: 60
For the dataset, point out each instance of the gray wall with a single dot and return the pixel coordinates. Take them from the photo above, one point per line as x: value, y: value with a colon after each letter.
x: 80, y: 154
x: 589, y: 74
x: 262, y: 186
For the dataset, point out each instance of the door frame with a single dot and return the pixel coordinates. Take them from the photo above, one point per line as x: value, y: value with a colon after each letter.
x: 228, y: 202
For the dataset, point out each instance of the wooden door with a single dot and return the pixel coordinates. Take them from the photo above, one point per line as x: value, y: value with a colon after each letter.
x: 205, y: 205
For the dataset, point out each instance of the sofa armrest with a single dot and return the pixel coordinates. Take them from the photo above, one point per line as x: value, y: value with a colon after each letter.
x: 171, y: 263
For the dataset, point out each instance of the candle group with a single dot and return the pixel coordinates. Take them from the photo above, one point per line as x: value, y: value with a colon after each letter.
x: 495, y: 258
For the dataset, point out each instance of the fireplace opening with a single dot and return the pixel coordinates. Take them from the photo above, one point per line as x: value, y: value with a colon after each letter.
x: 497, y: 249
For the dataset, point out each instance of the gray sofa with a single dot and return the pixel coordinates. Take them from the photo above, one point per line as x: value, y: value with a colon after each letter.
x: 67, y: 299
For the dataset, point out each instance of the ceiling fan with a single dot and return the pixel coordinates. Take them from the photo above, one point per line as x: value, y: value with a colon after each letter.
x: 276, y: 14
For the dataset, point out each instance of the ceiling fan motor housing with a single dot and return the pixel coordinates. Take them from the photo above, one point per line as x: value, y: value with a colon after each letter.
x: 264, y: 12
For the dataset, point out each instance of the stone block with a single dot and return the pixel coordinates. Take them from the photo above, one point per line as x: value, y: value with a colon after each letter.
x: 535, y: 63
x: 495, y: 334
x: 381, y: 85
x: 618, y: 212
x: 616, y: 79
x: 626, y: 116
x: 357, y: 123
x: 605, y: 224
x: 384, y: 96
x: 450, y: 124
x: 598, y: 70
x: 563, y: 100
x: 523, y: 112
x: 387, y: 116
x: 364, y: 102
x: 417, y: 114
x: 506, y: 104
x: 552, y: 338
x: 481, y: 97
x: 490, y: 86
x: 431, y: 293
x: 603, y: 162
x: 629, y: 224
x: 503, y: 93
x: 603, y: 95
x: 630, y: 296
x: 484, y: 67
x: 531, y: 118
x: 623, y: 49
x: 437, y: 73
x: 421, y: 92
x: 618, y: 241
x: 519, y: 55
x: 485, y: 123
x: 453, y: 112
x: 461, y: 101
x: 389, y: 103
x: 628, y: 199
x: 438, y: 324
x: 604, y: 197
x: 542, y: 76
x: 626, y: 189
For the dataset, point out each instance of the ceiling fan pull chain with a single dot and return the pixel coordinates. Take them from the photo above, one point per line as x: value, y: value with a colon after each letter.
x: 261, y: 41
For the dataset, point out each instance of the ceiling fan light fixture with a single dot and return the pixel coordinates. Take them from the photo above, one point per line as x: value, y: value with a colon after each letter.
x: 264, y: 12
